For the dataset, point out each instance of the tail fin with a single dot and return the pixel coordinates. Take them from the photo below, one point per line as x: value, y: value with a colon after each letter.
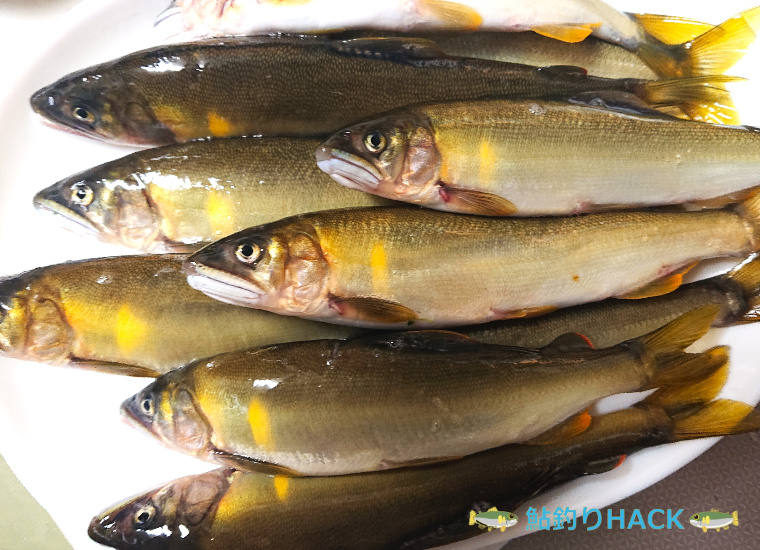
x: 747, y: 276
x: 703, y: 98
x: 749, y: 210
x: 710, y: 369
x: 711, y: 53
x: 665, y: 348
x: 717, y: 418
x: 735, y: 515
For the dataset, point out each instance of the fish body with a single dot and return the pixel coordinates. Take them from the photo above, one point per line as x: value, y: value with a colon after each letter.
x: 325, y: 408
x: 576, y: 18
x: 129, y: 315
x: 258, y: 86
x: 714, y: 519
x: 671, y: 46
x: 532, y: 158
x: 612, y: 321
x: 181, y: 197
x: 401, y: 267
x: 423, y: 507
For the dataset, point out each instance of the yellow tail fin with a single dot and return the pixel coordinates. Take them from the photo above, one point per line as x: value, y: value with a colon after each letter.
x: 711, y: 53
x: 703, y: 98
x: 747, y: 276
x: 720, y: 417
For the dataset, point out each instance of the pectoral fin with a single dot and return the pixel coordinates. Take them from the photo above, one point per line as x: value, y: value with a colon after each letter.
x: 522, y: 313
x: 563, y: 432
x: 567, y: 33
x: 469, y: 201
x: 661, y: 286
x: 372, y: 310
x: 392, y: 464
x: 113, y: 368
x: 452, y: 14
x: 252, y: 465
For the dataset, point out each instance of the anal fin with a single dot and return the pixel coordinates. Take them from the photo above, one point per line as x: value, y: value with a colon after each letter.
x: 565, y: 431
x: 604, y: 465
x: 567, y: 33
x: 371, y: 309
x: 469, y: 201
x: 661, y: 286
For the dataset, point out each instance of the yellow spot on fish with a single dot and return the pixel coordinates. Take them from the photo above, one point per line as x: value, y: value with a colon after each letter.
x: 281, y: 487
x: 487, y: 158
x: 220, y: 213
x: 173, y: 118
x: 130, y: 329
x: 165, y: 405
x: 378, y: 262
x: 218, y: 125
x: 261, y: 427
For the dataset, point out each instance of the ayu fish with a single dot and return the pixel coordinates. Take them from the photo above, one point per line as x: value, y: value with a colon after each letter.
x: 333, y: 407
x: 386, y: 267
x: 131, y: 315
x: 412, y: 508
x: 534, y: 158
x: 306, y: 86
x: 672, y: 46
x: 181, y: 197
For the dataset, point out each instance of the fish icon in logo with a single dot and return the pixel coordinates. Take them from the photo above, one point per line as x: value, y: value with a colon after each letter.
x: 493, y: 519
x: 714, y: 520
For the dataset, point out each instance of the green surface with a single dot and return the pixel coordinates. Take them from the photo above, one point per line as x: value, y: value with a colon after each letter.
x: 24, y: 524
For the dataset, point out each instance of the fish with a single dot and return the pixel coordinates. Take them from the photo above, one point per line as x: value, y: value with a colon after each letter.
x: 538, y: 158
x: 178, y: 198
x: 612, y: 321
x: 255, y: 86
x: 493, y: 519
x: 411, y: 508
x: 130, y: 315
x: 714, y: 519
x: 672, y: 46
x: 400, y: 267
x: 378, y: 402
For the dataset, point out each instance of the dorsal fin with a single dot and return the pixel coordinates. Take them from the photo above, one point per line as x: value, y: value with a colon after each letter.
x: 408, y: 51
x: 569, y: 342
x: 563, y: 71
x: 433, y: 340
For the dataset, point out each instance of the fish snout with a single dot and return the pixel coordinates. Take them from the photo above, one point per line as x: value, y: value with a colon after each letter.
x: 42, y: 100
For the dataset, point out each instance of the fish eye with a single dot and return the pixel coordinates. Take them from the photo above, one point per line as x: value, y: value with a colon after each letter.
x: 695, y: 516
x: 147, y: 406
x: 511, y: 516
x: 83, y: 113
x: 144, y: 515
x: 374, y: 141
x: 81, y: 194
x: 248, y: 253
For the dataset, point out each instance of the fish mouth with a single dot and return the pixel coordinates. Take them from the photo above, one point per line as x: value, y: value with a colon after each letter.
x: 101, y: 530
x: 130, y: 416
x: 222, y: 286
x: 349, y: 170
x: 65, y: 216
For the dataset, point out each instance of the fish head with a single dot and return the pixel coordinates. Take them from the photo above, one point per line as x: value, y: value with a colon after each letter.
x: 32, y: 324
x: 701, y: 519
x: 100, y: 103
x: 395, y: 157
x: 162, y: 519
x: 170, y: 412
x: 109, y: 202
x: 277, y: 267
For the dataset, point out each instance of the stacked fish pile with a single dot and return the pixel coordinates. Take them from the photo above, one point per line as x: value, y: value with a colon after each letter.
x: 498, y: 140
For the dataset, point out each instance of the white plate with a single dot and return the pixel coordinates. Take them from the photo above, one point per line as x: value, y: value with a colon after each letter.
x: 61, y: 431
